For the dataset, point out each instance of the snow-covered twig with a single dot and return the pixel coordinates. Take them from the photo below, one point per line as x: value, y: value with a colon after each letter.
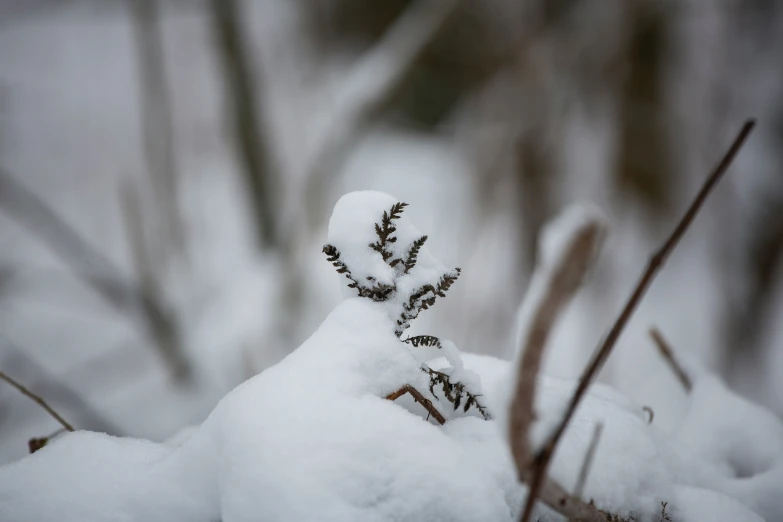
x: 560, y: 284
x: 544, y: 456
x: 421, y: 399
x: 423, y: 298
x: 588, y: 462
x: 37, y: 399
x: 574, y: 509
x: 557, y: 285
x: 668, y: 354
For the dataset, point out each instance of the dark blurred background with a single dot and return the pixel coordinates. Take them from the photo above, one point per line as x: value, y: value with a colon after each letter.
x: 168, y: 168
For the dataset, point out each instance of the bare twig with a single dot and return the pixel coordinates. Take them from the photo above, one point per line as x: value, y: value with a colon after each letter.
x: 561, y: 284
x: 421, y: 399
x: 557, y: 498
x: 81, y: 410
x: 544, y: 456
x: 37, y: 443
x: 36, y: 398
x: 668, y: 354
x: 588, y: 462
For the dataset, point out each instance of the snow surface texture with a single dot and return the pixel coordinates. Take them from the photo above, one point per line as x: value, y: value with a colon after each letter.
x: 313, y: 439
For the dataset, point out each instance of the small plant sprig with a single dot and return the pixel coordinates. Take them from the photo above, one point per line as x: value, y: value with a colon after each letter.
x: 423, y: 298
x: 413, y: 253
x: 420, y: 299
x: 384, y: 231
x: 455, y: 392
x: 376, y: 292
x: 423, y: 340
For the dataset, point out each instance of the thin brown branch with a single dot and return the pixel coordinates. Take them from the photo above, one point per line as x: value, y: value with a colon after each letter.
x: 544, y: 456
x: 47, y: 385
x: 574, y: 509
x: 418, y: 397
x: 37, y: 399
x: 588, y: 462
x: 668, y: 354
x: 37, y: 443
x: 560, y: 286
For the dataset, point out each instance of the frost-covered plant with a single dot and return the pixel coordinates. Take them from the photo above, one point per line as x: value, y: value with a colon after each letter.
x: 389, y: 272
x: 411, y: 301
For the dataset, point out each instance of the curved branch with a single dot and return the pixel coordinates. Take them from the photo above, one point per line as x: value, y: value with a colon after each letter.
x: 544, y: 456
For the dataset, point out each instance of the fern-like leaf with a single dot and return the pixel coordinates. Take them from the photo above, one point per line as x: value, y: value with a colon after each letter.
x: 385, y: 229
x: 423, y: 340
x: 413, y: 253
x: 455, y: 392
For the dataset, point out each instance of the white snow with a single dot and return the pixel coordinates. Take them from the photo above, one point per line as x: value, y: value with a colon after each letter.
x: 313, y: 439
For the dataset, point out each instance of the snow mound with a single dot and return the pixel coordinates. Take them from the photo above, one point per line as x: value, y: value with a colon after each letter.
x: 314, y: 439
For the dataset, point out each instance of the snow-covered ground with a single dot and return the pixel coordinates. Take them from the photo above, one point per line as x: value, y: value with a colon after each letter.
x: 313, y: 437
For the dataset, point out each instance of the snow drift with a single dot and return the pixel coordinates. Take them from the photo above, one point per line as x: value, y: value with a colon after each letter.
x: 315, y: 439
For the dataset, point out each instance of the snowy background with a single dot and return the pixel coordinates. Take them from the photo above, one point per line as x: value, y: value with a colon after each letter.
x: 198, y: 148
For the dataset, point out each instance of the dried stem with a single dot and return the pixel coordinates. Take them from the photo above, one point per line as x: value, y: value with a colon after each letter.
x: 37, y: 443
x: 36, y: 398
x: 557, y: 498
x: 543, y: 458
x: 561, y: 284
x: 588, y: 462
x: 418, y: 397
x: 666, y: 350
